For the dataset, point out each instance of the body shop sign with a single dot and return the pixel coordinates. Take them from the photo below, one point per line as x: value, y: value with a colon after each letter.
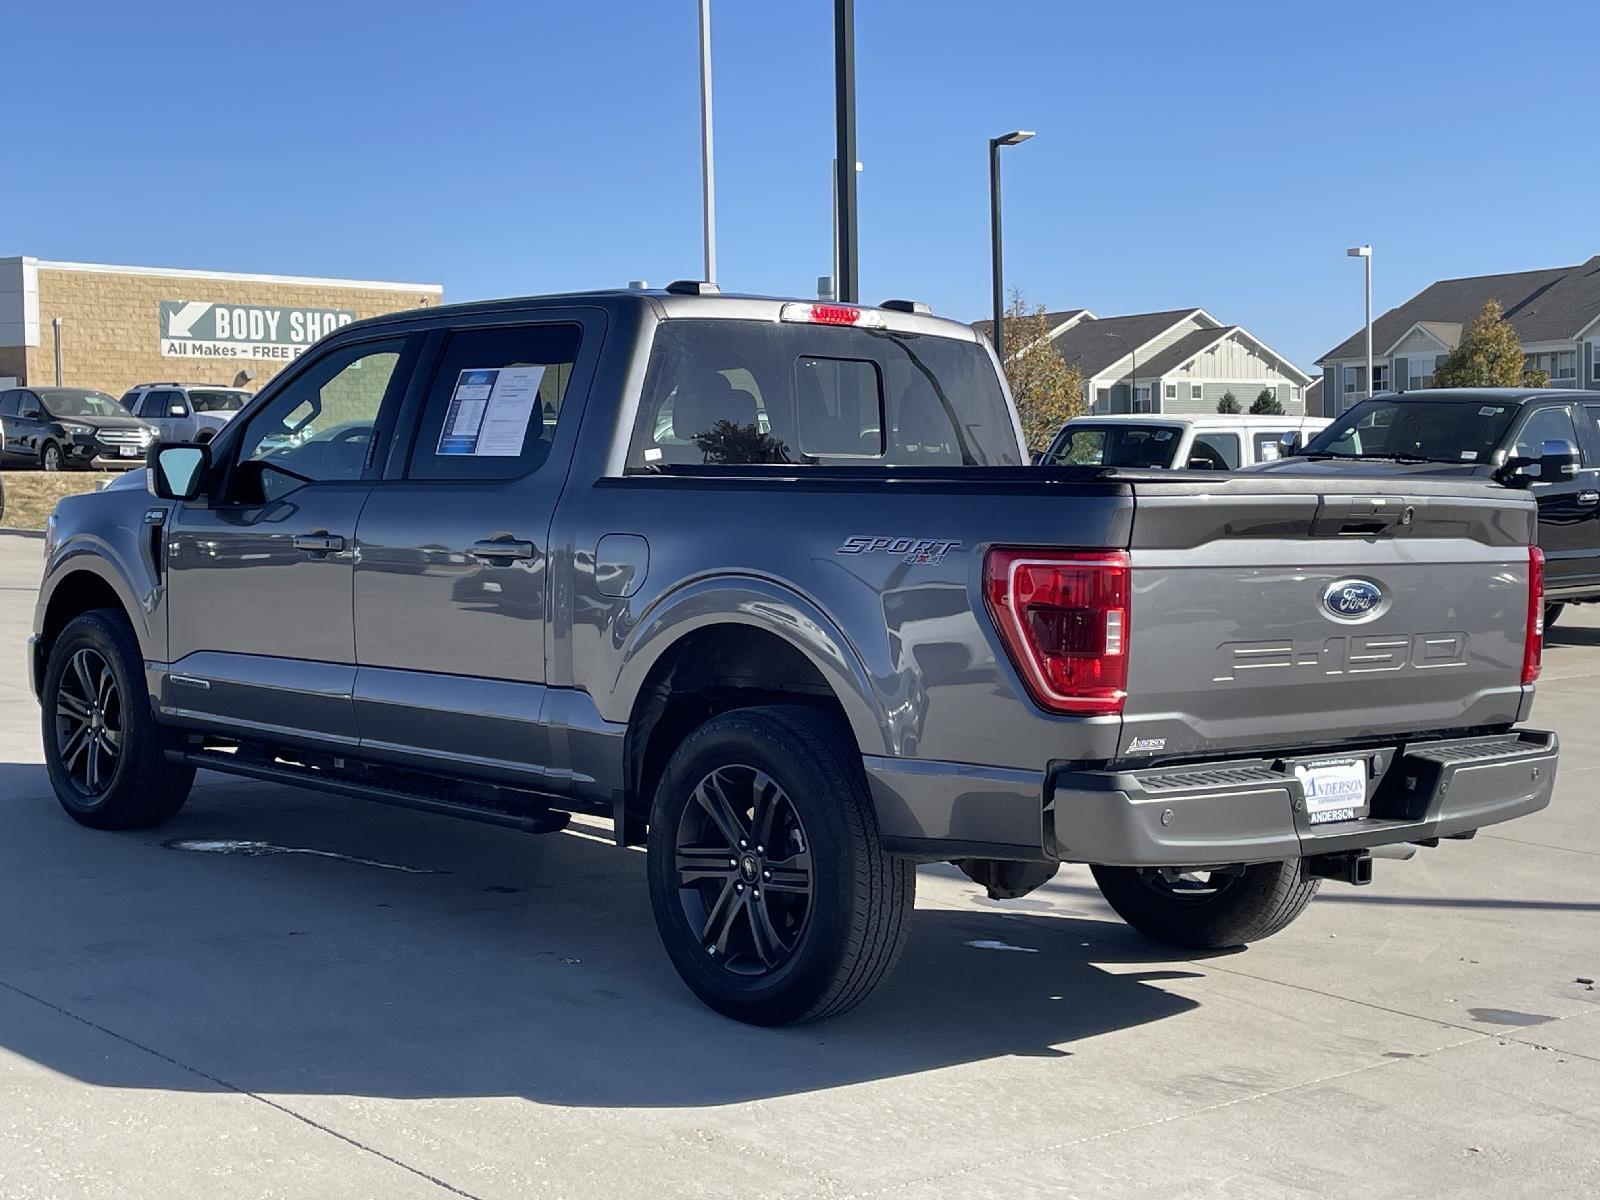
x: 205, y: 329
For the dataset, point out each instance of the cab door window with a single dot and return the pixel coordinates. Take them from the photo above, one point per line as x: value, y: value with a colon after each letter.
x: 1545, y: 424
x: 1215, y: 452
x: 326, y: 423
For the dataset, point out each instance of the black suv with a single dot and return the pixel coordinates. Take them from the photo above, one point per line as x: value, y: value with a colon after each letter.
x: 1546, y: 440
x: 57, y: 427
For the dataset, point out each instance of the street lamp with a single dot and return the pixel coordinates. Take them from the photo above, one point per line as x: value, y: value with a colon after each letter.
x: 1133, y: 377
x: 1365, y: 252
x: 1006, y: 139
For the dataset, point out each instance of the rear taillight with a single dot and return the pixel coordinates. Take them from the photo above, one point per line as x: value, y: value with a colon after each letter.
x: 1063, y: 617
x: 1533, y: 647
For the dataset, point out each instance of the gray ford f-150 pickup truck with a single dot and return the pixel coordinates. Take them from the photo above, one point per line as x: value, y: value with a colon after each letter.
x: 771, y: 585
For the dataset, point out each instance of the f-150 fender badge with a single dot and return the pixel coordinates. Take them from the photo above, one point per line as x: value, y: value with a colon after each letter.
x: 916, y: 551
x: 1141, y: 745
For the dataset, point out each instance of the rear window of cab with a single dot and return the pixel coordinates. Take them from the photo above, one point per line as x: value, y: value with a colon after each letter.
x: 732, y: 392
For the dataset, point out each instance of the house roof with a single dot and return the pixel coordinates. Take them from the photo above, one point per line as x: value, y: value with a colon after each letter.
x: 1092, y: 343
x: 1562, y: 311
x: 1533, y: 302
x: 1056, y: 319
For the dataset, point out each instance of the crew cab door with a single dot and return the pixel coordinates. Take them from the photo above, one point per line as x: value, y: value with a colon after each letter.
x: 259, y: 626
x: 1569, y: 509
x: 453, y: 583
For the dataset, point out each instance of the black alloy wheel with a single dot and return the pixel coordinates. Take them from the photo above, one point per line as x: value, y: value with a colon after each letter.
x: 744, y: 870
x: 89, y: 723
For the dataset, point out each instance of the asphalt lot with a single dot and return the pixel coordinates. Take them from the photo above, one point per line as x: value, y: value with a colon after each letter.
x: 498, y: 1020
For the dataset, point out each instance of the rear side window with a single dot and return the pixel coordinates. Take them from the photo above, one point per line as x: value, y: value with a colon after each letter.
x: 8, y: 403
x: 1266, y: 443
x: 725, y: 392
x: 494, y: 402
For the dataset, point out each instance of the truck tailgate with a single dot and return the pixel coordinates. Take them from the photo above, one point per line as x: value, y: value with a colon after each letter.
x: 1282, y: 612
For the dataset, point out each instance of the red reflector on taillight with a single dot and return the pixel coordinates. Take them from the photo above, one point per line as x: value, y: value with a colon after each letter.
x: 1533, y: 647
x: 1063, y: 617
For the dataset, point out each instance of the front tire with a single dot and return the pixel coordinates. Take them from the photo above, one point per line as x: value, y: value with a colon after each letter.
x: 50, y: 457
x: 102, y: 748
x: 771, y: 889
x: 1208, y: 910
x: 1552, y: 614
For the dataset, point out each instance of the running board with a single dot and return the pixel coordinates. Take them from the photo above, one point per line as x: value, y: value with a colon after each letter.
x: 545, y: 821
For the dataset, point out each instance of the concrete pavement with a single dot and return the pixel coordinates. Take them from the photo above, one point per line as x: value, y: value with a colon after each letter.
x: 473, y: 1012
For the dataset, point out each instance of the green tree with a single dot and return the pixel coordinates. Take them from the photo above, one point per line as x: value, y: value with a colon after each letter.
x: 1489, y: 355
x: 1228, y: 404
x: 1047, y: 388
x: 1266, y: 404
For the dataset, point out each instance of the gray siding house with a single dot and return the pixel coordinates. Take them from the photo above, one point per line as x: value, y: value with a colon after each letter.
x: 1181, y: 361
x: 1556, y: 314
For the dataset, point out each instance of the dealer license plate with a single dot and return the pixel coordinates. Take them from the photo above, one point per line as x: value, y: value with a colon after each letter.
x: 1335, y: 788
x: 128, y: 451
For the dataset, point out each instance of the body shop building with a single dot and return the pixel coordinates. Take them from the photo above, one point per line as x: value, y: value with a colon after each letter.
x: 114, y: 326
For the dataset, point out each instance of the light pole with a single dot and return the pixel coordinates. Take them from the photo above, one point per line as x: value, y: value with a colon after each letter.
x: 847, y: 274
x: 1365, y: 253
x: 998, y: 267
x: 55, y: 323
x: 1133, y: 377
x: 708, y: 181
x: 834, y: 174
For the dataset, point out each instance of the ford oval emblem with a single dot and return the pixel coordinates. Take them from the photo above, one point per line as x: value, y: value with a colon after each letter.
x: 1353, y: 599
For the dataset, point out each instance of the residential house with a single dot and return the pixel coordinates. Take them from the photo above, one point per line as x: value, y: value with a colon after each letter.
x: 1180, y: 361
x: 1555, y: 312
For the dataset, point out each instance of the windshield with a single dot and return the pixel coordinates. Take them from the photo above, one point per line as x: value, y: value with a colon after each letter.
x: 71, y: 402
x: 724, y: 392
x: 1443, y: 430
x: 1114, y: 445
x: 222, y: 401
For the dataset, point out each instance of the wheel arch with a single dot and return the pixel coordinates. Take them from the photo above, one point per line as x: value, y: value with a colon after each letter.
x: 81, y: 584
x: 730, y: 644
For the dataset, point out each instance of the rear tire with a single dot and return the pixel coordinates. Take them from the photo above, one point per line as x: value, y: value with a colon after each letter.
x: 1212, y: 913
x: 102, y: 747
x: 50, y: 457
x: 771, y: 889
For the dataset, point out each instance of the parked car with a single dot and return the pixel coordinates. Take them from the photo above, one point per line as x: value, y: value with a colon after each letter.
x: 185, y: 412
x: 1544, y: 441
x: 59, y: 427
x: 1221, y: 442
x: 771, y: 585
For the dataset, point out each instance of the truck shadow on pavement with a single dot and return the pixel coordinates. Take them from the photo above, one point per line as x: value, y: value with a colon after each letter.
x: 498, y: 964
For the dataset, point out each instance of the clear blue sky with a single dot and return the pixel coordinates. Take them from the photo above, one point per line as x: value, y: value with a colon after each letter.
x: 1188, y: 154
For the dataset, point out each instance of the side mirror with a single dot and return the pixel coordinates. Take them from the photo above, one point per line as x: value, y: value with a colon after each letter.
x: 177, y: 410
x: 29, y: 414
x: 178, y: 471
x: 1289, y: 443
x: 1201, y: 464
x: 1558, y: 460
x: 1038, y: 458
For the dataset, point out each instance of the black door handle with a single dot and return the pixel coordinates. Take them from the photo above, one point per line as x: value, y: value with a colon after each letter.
x: 498, y: 550
x: 320, y: 542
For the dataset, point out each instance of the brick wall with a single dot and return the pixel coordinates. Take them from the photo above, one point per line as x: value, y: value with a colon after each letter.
x: 110, y: 335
